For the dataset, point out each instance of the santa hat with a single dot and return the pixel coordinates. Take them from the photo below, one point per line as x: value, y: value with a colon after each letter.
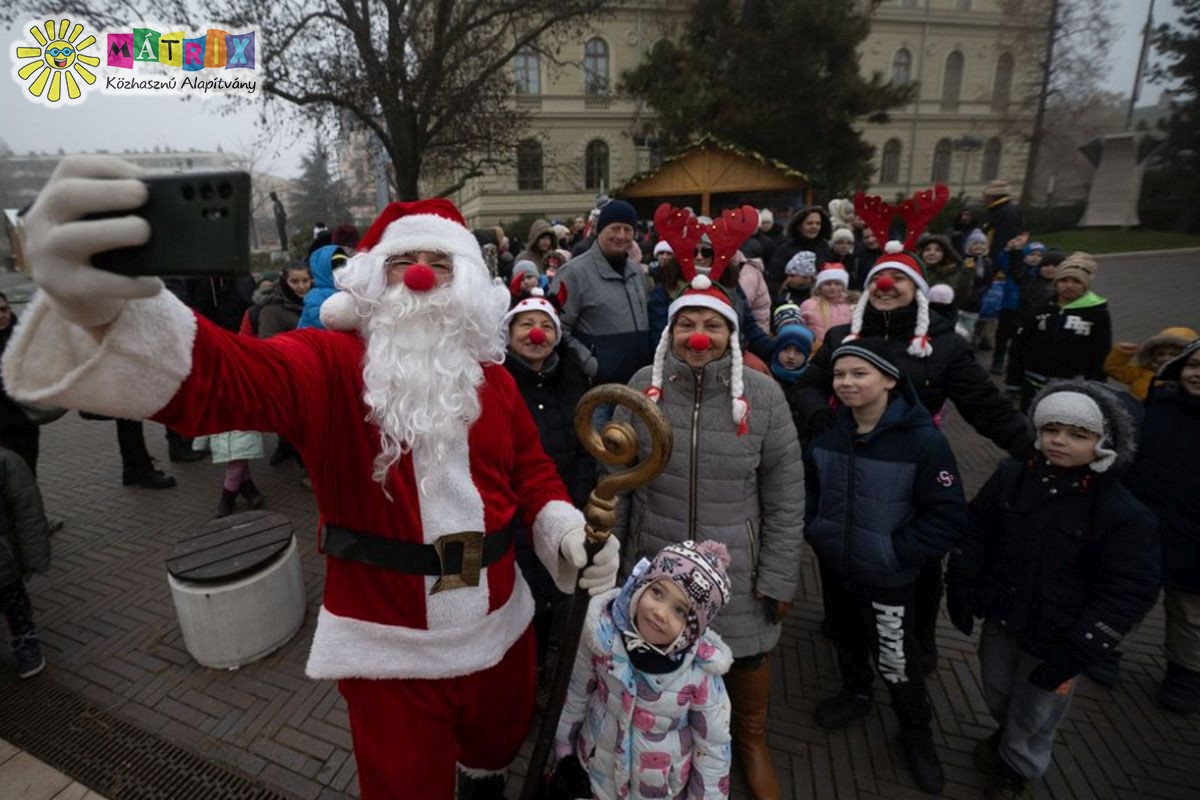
x: 433, y: 225
x: 536, y: 301
x: 894, y: 258
x: 684, y: 231
x: 833, y: 271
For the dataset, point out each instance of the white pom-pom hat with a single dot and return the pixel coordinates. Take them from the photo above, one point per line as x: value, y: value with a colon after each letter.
x: 535, y: 302
x: 894, y: 258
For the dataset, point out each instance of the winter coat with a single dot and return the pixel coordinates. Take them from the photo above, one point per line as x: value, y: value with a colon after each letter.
x: 951, y: 372
x: 642, y: 735
x: 13, y: 419
x: 538, y: 229
x: 24, y: 537
x: 860, y: 264
x: 794, y: 243
x: 819, y: 320
x: 658, y: 309
x: 950, y: 271
x: 754, y: 338
x: 1059, y: 557
x: 321, y: 265
x: 604, y: 316
x: 1136, y: 370
x: 1056, y: 341
x: 796, y: 297
x: 883, y: 504
x: 280, y: 313
x: 1165, y: 478
x: 743, y: 491
x: 551, y: 394
x: 220, y: 300
x: 754, y: 284
x: 983, y: 272
x: 1005, y: 221
x: 766, y: 244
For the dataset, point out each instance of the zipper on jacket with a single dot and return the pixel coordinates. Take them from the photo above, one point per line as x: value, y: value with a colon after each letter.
x: 846, y: 532
x: 693, y: 477
x: 753, y: 553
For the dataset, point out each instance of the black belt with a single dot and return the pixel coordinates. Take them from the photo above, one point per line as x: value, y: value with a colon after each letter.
x: 457, y: 558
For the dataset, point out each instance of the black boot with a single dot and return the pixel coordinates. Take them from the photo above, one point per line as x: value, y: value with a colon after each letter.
x: 228, y: 500
x: 1107, y: 670
x: 923, y: 760
x: 984, y: 756
x: 252, y: 494
x: 152, y: 479
x: 843, y: 708
x: 1180, y: 690
x: 487, y: 787
x: 179, y: 448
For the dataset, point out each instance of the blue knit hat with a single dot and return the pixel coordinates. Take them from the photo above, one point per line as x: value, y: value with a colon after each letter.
x: 794, y: 335
x: 617, y: 211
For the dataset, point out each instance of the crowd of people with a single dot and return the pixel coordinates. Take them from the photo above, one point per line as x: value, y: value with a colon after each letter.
x: 805, y: 371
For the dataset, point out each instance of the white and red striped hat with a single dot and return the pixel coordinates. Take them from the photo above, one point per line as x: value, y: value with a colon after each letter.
x: 894, y: 258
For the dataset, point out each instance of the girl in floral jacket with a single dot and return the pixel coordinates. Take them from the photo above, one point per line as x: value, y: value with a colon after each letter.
x: 647, y: 714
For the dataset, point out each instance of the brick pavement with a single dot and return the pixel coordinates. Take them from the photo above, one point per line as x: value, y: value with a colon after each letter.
x: 111, y: 635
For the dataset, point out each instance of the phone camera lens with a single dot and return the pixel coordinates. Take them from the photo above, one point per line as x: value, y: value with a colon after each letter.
x: 206, y: 191
x: 224, y: 191
x: 189, y: 192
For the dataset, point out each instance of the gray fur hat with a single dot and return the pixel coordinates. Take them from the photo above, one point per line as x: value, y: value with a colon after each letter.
x: 1091, y: 406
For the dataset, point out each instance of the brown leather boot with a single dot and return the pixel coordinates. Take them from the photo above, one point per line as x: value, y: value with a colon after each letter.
x: 748, y: 690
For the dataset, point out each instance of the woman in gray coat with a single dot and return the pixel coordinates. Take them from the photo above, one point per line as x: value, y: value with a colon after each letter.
x: 736, y: 478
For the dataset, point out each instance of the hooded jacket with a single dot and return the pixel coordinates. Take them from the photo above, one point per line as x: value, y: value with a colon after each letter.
x: 951, y: 372
x: 883, y: 504
x: 1136, y: 370
x: 1056, y: 341
x: 950, y: 271
x: 743, y: 491
x: 795, y: 242
x: 1005, y: 221
x: 24, y: 538
x: 537, y: 230
x: 321, y: 265
x: 644, y: 735
x: 1062, y: 557
x: 1164, y: 474
x: 280, y: 312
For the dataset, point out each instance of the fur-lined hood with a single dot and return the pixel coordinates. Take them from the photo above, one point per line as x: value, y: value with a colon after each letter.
x: 1178, y: 336
x: 1173, y: 368
x: 1121, y: 433
x: 793, y: 226
x: 945, y: 243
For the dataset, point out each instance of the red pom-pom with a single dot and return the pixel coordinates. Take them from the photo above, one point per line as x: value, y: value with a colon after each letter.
x: 699, y: 342
x: 537, y: 336
x: 885, y: 283
x: 419, y: 278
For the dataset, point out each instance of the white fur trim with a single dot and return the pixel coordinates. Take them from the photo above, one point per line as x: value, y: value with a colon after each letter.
x: 474, y: 772
x: 701, y: 282
x: 893, y: 247
x: 920, y: 346
x: 832, y: 274
x: 339, y: 313
x: 686, y: 300
x: 553, y: 522
x: 131, y: 370
x: 344, y: 647
x: 428, y: 232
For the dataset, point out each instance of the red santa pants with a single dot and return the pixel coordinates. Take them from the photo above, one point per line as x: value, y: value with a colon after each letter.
x: 409, y: 734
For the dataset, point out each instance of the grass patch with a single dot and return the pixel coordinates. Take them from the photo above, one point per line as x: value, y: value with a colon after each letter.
x: 1115, y: 240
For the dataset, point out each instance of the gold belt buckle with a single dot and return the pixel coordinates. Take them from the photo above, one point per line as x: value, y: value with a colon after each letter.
x: 472, y: 560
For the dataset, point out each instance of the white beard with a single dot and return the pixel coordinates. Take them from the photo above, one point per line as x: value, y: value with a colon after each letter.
x: 422, y: 368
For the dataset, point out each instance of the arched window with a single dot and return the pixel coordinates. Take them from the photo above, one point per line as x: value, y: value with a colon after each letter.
x: 902, y: 66
x: 595, y: 66
x: 991, y: 160
x: 595, y: 165
x: 527, y: 72
x: 952, y: 81
x: 941, y: 161
x: 529, y: 165
x: 889, y: 168
x: 1002, y: 85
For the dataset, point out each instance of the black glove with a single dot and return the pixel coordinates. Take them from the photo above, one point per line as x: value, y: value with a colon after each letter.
x: 1063, y: 663
x: 964, y: 604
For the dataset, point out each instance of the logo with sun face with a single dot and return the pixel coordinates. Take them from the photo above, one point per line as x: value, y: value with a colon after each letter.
x: 56, y: 62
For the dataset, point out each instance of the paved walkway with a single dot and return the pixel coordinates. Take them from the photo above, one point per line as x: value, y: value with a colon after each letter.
x: 112, y: 637
x: 23, y: 777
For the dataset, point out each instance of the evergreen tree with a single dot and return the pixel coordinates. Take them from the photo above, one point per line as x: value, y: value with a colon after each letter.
x: 318, y: 197
x: 1177, y: 171
x: 781, y: 77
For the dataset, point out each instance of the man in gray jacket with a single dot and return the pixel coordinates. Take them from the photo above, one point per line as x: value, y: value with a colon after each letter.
x: 602, y: 294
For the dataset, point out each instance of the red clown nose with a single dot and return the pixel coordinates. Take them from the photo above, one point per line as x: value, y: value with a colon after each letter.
x: 699, y: 342
x: 419, y: 278
x: 537, y: 336
x: 885, y: 283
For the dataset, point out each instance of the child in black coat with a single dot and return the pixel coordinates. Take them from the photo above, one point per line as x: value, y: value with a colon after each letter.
x: 24, y: 548
x: 1061, y: 561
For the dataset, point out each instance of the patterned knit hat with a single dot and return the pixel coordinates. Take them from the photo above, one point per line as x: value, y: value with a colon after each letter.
x: 894, y: 259
x: 1080, y: 266
x: 684, y: 231
x: 787, y: 314
x: 698, y: 568
x: 536, y: 301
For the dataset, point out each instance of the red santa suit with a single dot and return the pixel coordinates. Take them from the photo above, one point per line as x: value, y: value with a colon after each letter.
x: 431, y: 678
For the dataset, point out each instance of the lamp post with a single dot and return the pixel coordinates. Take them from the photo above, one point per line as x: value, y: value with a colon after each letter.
x: 966, y: 145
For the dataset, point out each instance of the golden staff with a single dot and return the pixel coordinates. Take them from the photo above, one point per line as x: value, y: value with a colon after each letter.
x: 615, y: 445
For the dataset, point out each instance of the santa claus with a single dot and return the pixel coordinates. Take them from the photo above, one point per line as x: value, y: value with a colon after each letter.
x: 420, y: 450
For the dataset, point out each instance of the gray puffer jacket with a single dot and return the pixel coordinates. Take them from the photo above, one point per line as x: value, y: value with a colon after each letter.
x: 24, y: 539
x: 744, y: 491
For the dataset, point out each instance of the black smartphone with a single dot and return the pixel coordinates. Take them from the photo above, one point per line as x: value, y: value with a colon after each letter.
x: 199, y: 226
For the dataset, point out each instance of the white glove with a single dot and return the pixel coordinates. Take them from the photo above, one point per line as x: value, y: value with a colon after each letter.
x: 602, y: 574
x: 58, y: 243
